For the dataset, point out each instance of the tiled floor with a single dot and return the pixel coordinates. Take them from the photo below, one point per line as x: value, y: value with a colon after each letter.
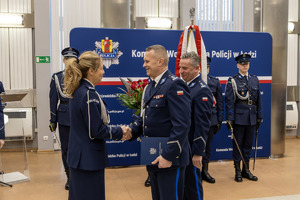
x: 278, y: 178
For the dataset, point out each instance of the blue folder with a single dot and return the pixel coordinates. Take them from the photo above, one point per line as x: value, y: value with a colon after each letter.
x: 151, y: 148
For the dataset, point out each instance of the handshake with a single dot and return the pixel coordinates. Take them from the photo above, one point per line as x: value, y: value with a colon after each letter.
x: 126, y: 133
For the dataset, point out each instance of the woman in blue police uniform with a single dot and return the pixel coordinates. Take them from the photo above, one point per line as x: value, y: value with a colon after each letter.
x: 201, y: 107
x: 165, y: 113
x: 2, y: 130
x: 59, y: 108
x: 244, y: 114
x: 87, y: 156
x: 215, y: 121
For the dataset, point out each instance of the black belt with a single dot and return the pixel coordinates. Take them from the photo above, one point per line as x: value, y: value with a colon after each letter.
x: 248, y: 102
x: 64, y: 102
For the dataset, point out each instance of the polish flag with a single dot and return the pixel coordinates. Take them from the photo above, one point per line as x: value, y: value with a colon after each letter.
x: 180, y: 92
x: 187, y: 43
x: 204, y: 99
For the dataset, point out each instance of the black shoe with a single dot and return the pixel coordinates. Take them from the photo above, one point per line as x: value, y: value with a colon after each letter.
x: 67, y: 185
x: 247, y: 174
x: 68, y: 176
x: 238, y: 173
x: 147, y: 182
x: 205, y: 175
x: 238, y: 177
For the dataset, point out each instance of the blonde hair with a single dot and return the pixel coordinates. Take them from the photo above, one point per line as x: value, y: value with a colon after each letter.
x: 76, y: 69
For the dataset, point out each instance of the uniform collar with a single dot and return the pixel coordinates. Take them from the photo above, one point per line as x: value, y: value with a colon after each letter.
x: 157, y: 79
x: 241, y: 76
x: 87, y: 80
x: 188, y: 83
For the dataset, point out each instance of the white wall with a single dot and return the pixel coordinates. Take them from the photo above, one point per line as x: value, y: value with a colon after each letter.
x: 16, y: 67
x: 292, y: 47
x: 66, y: 15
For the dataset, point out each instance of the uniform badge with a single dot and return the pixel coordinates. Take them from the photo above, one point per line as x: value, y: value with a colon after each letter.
x: 192, y: 85
x: 163, y: 80
x: 109, y: 51
x: 158, y: 96
x: 180, y: 92
x: 215, y: 101
x: 204, y: 99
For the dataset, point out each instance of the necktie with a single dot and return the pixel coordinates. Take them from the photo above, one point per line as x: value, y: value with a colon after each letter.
x: 246, y: 78
x: 151, y: 87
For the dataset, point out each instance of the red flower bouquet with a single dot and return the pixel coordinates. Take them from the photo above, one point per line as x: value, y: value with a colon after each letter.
x: 132, y: 98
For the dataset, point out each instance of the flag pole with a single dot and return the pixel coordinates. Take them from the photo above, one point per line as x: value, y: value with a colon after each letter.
x: 189, y: 42
x: 192, y: 15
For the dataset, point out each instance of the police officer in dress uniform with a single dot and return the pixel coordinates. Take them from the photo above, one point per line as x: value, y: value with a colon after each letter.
x: 166, y: 112
x: 89, y: 120
x: 201, y: 108
x: 215, y: 121
x: 244, y: 114
x: 2, y: 131
x: 59, y: 108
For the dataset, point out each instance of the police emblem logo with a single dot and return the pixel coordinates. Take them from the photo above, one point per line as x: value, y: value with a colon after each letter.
x: 152, y: 151
x: 106, y: 45
x: 109, y: 51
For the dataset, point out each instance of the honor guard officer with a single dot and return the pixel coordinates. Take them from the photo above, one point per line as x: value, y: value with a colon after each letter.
x: 215, y: 121
x: 2, y: 132
x: 244, y: 114
x: 201, y: 108
x: 59, y: 108
x: 166, y: 113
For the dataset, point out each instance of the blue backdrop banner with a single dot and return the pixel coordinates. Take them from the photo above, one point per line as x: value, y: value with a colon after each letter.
x: 123, y: 51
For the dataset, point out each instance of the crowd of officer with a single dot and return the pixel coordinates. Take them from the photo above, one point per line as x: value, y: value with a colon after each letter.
x: 186, y: 110
x: 164, y: 99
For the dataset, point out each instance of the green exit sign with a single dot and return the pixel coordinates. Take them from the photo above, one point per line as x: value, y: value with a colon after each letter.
x: 42, y: 59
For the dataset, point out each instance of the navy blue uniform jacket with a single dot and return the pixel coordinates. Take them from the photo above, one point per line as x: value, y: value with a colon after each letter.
x: 59, y: 103
x: 202, y: 103
x: 85, y: 153
x: 2, y: 132
x: 243, y: 113
x: 218, y: 108
x: 167, y: 114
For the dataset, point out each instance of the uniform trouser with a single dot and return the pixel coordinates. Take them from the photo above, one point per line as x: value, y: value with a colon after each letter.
x: 167, y: 183
x: 87, y: 185
x: 244, y: 137
x: 64, y: 132
x: 193, y: 189
x: 211, y: 133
